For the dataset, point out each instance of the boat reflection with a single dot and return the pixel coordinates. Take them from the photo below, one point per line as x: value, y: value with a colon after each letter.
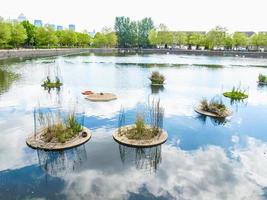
x: 147, y: 159
x: 59, y: 163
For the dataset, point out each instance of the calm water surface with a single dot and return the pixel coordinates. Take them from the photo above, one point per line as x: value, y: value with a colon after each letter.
x: 202, y: 159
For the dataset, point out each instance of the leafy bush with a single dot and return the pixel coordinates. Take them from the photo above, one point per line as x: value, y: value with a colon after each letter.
x: 157, y: 78
x: 57, y: 130
x: 262, y: 78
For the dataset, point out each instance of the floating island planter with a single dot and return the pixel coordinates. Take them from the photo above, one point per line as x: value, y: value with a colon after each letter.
x: 142, y: 134
x: 48, y: 84
x: 53, y: 132
x: 236, y: 94
x: 214, y: 108
x: 157, y: 79
x: 100, y: 96
x: 262, y: 79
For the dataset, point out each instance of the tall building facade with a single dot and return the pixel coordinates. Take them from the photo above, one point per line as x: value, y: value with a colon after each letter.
x: 72, y: 27
x: 59, y: 27
x: 38, y: 23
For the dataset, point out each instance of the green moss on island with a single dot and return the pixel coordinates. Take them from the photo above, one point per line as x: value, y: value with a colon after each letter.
x: 49, y: 84
x: 236, y: 94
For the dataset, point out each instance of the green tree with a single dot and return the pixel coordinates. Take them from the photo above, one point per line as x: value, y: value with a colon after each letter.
x: 153, y: 37
x: 259, y: 40
x: 100, y: 40
x: 179, y: 38
x: 122, y: 28
x: 144, y: 27
x: 240, y: 39
x: 165, y: 37
x: 18, y: 34
x: 126, y: 31
x: 111, y: 39
x: 83, y: 39
x: 46, y: 36
x: 196, y: 39
x: 67, y: 37
x: 31, y: 33
x: 5, y: 33
x: 216, y: 37
x: 228, y: 42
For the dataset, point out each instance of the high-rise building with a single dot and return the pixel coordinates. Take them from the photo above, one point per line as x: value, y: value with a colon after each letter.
x: 72, y: 27
x: 38, y: 23
x: 59, y: 27
x: 22, y: 18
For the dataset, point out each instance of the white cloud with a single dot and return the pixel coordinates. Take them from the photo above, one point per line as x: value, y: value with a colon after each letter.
x: 202, y: 174
x: 183, y: 14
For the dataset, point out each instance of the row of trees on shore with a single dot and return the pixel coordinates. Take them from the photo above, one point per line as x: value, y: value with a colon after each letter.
x: 126, y: 34
x: 216, y: 37
x: 25, y: 34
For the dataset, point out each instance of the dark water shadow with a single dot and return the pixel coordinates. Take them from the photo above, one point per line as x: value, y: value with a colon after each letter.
x: 217, y: 121
x: 156, y: 89
x: 147, y: 159
x: 60, y: 163
x: 7, y: 78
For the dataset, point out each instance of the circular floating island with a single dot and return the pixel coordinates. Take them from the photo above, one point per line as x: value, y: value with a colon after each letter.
x: 127, y: 135
x: 101, y: 97
x: 213, y: 108
x: 226, y: 113
x: 38, y: 141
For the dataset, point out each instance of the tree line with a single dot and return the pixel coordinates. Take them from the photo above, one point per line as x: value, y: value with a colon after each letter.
x: 126, y: 34
x: 25, y: 34
x: 216, y: 37
x: 143, y: 33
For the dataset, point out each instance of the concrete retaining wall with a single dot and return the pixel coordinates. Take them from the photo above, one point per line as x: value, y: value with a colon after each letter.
x: 20, y: 53
x: 24, y: 53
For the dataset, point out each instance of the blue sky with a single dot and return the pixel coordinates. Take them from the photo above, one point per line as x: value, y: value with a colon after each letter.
x: 176, y: 14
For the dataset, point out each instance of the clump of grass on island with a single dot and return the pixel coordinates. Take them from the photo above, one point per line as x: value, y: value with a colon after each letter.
x: 52, y: 84
x: 262, y: 78
x: 236, y: 94
x: 142, y: 130
x: 214, y: 106
x: 56, y: 130
x: 156, y: 78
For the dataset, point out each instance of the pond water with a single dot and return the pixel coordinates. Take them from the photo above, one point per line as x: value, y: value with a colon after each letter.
x: 202, y: 159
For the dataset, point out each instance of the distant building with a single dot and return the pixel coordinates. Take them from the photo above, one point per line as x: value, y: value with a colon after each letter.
x: 59, y: 28
x: 247, y: 33
x: 22, y: 18
x: 38, y: 23
x: 72, y: 27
